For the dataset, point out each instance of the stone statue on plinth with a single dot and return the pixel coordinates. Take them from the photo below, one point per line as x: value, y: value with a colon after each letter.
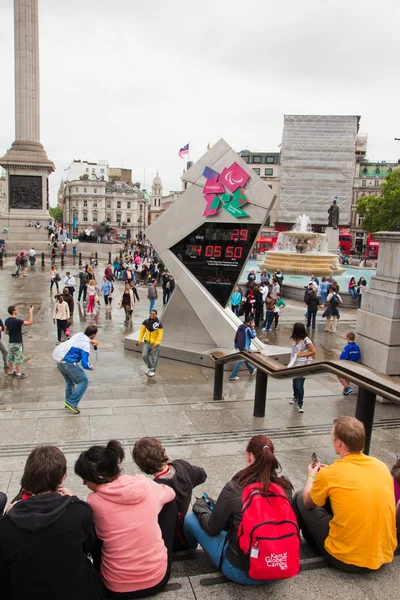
x: 333, y: 215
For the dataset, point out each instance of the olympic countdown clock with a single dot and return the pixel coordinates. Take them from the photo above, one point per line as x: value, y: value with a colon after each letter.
x: 215, y: 254
x: 205, y: 238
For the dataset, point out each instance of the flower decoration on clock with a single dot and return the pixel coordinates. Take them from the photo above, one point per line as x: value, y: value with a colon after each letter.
x: 225, y: 190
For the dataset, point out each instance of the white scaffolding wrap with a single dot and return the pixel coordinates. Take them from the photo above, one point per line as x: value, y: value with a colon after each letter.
x: 317, y: 163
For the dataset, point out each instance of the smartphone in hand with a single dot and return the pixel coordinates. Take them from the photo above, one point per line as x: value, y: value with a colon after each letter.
x: 314, y: 459
x: 208, y: 501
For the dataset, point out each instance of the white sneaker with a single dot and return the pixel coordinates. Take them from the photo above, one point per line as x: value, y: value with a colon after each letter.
x: 263, y: 329
x: 234, y: 378
x: 293, y: 401
x: 300, y: 410
x: 151, y: 373
x: 148, y: 371
x: 254, y: 372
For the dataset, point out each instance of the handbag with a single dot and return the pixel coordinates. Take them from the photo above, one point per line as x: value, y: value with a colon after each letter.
x: 58, y: 278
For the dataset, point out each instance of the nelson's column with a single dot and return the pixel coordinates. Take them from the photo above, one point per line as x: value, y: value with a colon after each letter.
x: 26, y: 162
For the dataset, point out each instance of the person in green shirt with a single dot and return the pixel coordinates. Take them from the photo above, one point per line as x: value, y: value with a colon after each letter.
x: 279, y: 304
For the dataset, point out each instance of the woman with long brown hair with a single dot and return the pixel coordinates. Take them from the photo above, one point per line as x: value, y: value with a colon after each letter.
x: 218, y: 526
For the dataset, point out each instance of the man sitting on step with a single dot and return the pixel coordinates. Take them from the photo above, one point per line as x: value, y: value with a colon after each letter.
x: 346, y: 510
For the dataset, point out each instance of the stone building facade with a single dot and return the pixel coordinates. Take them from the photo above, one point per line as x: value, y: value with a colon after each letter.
x: 88, y: 202
x: 266, y: 165
x: 368, y: 179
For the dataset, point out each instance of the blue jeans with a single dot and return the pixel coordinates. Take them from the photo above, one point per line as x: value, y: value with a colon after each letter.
x: 152, y: 303
x: 269, y: 317
x: 298, y: 390
x: 235, y: 308
x: 353, y: 292
x: 150, y: 355
x: 323, y: 297
x: 239, y: 365
x: 214, y: 546
x: 76, y: 382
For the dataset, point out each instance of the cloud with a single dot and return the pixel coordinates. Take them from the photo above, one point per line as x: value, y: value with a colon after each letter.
x: 132, y: 82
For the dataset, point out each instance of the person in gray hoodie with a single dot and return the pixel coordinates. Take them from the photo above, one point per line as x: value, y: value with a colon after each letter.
x: 152, y: 294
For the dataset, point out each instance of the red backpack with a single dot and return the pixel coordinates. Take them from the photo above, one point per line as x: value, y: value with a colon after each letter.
x: 268, y: 533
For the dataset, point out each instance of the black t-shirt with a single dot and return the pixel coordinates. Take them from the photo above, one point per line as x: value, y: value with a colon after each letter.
x: 14, y: 329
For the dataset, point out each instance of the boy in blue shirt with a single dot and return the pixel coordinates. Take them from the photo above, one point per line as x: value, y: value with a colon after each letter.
x: 350, y: 352
x: 244, y: 334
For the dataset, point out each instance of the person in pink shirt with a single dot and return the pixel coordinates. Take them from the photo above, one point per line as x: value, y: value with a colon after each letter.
x: 134, y: 517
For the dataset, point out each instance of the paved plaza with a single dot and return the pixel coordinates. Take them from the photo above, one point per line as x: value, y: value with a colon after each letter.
x: 177, y: 406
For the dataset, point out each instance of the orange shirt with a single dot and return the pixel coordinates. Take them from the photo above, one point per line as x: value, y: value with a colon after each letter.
x: 362, y: 531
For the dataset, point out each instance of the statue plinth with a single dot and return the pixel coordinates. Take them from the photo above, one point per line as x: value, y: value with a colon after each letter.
x: 378, y: 319
x: 333, y: 240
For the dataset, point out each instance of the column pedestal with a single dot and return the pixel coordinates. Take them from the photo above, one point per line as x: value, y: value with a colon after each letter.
x: 333, y: 240
x: 378, y: 319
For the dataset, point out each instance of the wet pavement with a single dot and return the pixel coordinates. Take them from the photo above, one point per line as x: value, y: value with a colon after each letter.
x: 176, y: 405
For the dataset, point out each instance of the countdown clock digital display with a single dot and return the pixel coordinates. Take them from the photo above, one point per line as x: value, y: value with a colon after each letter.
x: 215, y: 254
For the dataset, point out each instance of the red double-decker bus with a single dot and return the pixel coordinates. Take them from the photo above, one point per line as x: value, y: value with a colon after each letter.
x: 266, y: 241
x: 345, y: 241
x: 372, y: 249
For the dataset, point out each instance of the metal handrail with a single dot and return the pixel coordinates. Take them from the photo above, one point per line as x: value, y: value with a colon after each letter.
x: 370, y: 382
x: 364, y: 376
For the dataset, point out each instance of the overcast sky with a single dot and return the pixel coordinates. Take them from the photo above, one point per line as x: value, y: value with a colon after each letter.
x: 132, y: 81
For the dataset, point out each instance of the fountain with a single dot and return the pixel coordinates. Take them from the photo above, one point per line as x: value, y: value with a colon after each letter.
x: 302, y: 251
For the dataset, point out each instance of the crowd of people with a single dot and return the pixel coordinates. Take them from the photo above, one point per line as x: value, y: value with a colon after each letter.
x: 303, y: 353
x: 118, y: 543
x: 263, y: 300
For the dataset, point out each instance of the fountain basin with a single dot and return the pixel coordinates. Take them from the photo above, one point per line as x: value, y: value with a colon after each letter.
x: 302, y: 251
x: 307, y: 263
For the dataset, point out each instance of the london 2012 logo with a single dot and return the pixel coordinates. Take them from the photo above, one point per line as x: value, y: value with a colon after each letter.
x: 225, y: 190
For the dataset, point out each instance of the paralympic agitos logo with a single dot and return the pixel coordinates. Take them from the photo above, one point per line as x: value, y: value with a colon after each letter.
x: 225, y: 190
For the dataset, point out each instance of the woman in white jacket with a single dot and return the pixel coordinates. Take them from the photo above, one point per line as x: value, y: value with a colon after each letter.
x: 127, y: 302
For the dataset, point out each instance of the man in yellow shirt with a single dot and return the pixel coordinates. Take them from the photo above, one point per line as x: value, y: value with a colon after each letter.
x: 150, y: 335
x: 346, y: 510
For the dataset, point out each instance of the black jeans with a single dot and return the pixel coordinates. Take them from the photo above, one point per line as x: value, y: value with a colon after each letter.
x: 82, y: 290
x: 311, y: 316
x: 314, y: 525
x: 165, y: 295
x: 62, y: 325
x: 298, y: 390
x: 167, y: 520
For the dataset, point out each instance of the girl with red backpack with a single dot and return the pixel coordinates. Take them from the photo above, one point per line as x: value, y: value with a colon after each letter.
x: 251, y: 532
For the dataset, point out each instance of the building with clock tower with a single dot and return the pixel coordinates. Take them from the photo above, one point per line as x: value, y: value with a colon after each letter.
x: 156, y: 195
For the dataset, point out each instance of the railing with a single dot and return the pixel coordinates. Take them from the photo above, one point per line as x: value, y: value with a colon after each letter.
x: 370, y: 382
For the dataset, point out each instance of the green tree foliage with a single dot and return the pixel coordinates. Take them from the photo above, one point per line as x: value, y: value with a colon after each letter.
x: 56, y: 213
x: 382, y: 213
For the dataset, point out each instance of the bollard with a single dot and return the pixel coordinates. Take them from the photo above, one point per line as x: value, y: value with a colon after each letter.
x: 365, y: 409
x: 218, y: 381
x: 42, y: 259
x: 62, y: 259
x: 109, y: 257
x: 97, y: 260
x: 1, y: 260
x: 260, y: 394
x: 80, y: 259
